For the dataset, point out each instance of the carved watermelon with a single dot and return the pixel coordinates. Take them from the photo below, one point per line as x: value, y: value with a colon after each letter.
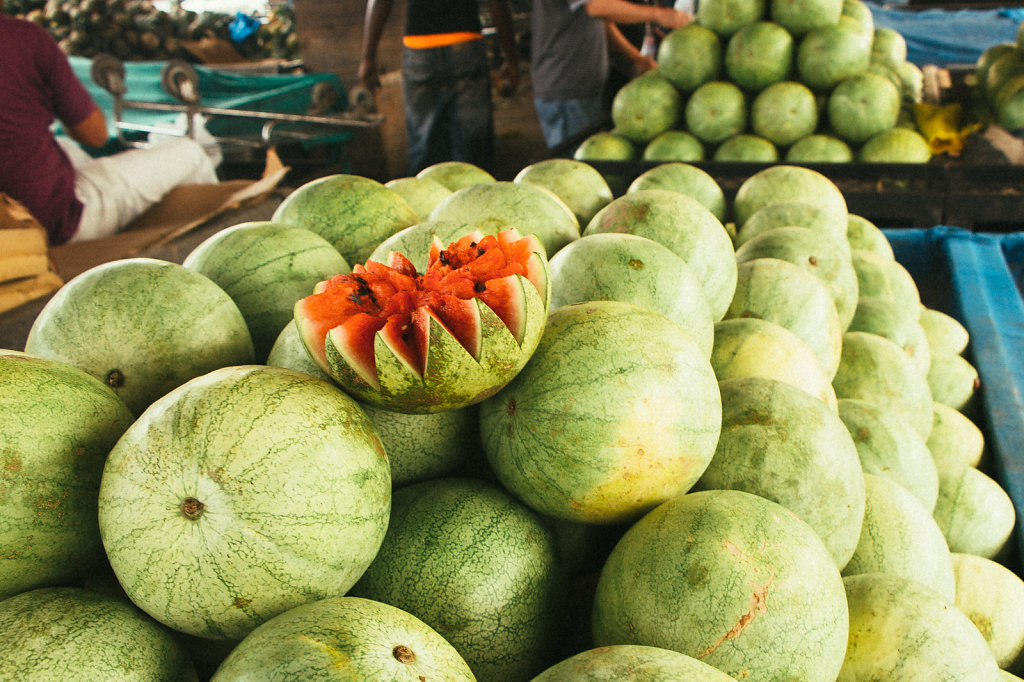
x: 435, y: 341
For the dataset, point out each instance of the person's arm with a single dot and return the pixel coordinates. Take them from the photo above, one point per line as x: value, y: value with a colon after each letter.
x: 508, y: 74
x: 626, y: 12
x: 618, y: 42
x: 377, y: 12
x: 92, y: 131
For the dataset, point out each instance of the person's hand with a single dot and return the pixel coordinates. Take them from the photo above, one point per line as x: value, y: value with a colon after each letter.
x: 368, y: 74
x: 644, y: 64
x: 671, y: 18
x: 507, y: 79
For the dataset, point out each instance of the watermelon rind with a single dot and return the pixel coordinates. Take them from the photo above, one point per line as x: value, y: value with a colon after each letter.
x: 631, y: 661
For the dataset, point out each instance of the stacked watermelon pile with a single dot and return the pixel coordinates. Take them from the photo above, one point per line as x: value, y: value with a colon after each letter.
x: 998, y: 87
x: 770, y: 80
x: 524, y: 431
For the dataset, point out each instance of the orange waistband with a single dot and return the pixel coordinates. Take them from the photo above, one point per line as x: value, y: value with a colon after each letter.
x: 440, y: 39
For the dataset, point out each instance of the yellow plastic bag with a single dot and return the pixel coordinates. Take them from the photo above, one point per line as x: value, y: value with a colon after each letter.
x: 941, y: 126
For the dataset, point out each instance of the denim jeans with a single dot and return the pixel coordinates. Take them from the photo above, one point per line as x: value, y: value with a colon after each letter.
x: 560, y: 120
x: 448, y: 109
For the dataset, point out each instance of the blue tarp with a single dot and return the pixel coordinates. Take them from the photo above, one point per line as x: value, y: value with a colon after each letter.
x: 287, y: 93
x: 975, y: 278
x: 947, y: 37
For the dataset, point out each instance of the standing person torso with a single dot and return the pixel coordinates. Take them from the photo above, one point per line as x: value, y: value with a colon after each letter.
x: 568, y: 51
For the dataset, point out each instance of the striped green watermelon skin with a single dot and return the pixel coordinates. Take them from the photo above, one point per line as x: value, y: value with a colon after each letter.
x: 56, y: 634
x: 295, y: 491
x: 142, y: 325
x: 631, y: 661
x: 731, y: 579
x: 266, y: 267
x: 56, y: 427
x: 351, y: 212
x: 593, y: 431
x: 477, y: 566
x: 343, y: 639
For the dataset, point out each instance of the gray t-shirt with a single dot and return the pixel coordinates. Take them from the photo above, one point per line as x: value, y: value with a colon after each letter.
x: 569, y: 51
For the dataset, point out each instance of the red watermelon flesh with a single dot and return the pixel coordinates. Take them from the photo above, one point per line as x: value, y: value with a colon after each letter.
x: 396, y: 302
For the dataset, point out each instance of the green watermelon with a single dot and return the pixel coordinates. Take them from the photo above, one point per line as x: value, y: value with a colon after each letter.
x: 875, y: 369
x: 886, y: 279
x: 746, y: 147
x: 642, y: 431
x: 687, y: 179
x: 759, y: 54
x: 57, y: 426
x: 716, y: 111
x: 954, y: 437
x: 422, y: 194
x: 725, y: 17
x: 861, y: 13
x: 263, y: 474
x: 945, y: 333
x: 954, y: 381
x: 289, y: 352
x: 731, y: 579
x: 992, y: 596
x: 752, y: 347
x: 900, y: 538
x: 888, y: 47
x: 862, y: 106
x: 896, y: 145
x: 784, y: 112
x: 266, y: 267
x: 631, y: 662
x: 456, y: 175
x: 819, y: 148
x: 645, y: 107
x: 583, y: 189
x: 477, y: 566
x: 344, y: 638
x: 793, y: 214
x: 800, y: 17
x: 142, y: 326
x: 864, y: 235
x: 784, y: 183
x: 690, y: 56
x: 781, y: 292
x: 425, y: 446
x: 889, y: 447
x: 975, y: 513
x: 900, y: 629
x: 684, y: 225
x: 878, y: 316
x: 497, y: 206
x: 72, y: 633
x: 351, y: 212
x: 673, y: 145
x: 624, y: 267
x: 829, y: 54
x: 817, y: 254
x: 605, y: 146
x: 789, y: 447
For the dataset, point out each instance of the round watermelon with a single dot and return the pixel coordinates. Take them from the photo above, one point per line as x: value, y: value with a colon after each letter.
x: 273, y: 485
x: 829, y: 54
x: 583, y: 189
x: 344, y: 638
x: 992, y: 596
x: 864, y: 235
x: 422, y: 194
x: 72, y: 633
x: 631, y: 662
x: 142, y: 326
x: 885, y: 278
x: 690, y: 56
x: 746, y: 147
x: 793, y: 214
x: 862, y: 106
x: 642, y: 427
x: 955, y: 438
x: 265, y: 268
x: 731, y: 579
x: 456, y: 175
x: 975, y: 513
x: 783, y: 183
x: 57, y: 426
x: 945, y: 333
x: 673, y: 145
x: 878, y: 316
x: 819, y: 148
x: 481, y: 569
x: 645, y: 107
x: 716, y: 111
x: 686, y: 179
x: 351, y: 212
x: 758, y: 55
x: 784, y: 112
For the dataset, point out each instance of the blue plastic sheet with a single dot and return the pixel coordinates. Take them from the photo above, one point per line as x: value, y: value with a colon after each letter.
x: 974, y: 277
x: 947, y: 37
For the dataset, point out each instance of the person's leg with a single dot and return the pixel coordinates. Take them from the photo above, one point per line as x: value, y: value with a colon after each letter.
x: 424, y: 92
x: 119, y: 188
x: 560, y: 120
x: 472, y: 119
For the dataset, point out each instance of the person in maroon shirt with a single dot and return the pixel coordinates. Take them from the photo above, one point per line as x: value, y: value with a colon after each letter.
x: 80, y: 198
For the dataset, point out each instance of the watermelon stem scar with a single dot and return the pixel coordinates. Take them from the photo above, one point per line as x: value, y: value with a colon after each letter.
x: 192, y: 508
x: 404, y: 654
x: 115, y: 378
